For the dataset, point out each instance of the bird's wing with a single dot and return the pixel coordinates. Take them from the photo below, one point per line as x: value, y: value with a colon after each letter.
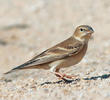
x: 65, y: 49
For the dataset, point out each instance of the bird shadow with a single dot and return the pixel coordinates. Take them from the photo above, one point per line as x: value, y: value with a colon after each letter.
x: 105, y: 76
x: 66, y: 81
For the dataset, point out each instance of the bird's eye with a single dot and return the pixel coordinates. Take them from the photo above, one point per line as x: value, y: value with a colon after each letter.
x: 81, y: 29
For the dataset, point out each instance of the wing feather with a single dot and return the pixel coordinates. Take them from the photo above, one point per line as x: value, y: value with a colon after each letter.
x: 65, y: 49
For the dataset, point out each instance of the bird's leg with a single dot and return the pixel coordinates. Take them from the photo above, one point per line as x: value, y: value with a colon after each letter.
x: 62, y: 76
x: 69, y: 76
x: 58, y: 74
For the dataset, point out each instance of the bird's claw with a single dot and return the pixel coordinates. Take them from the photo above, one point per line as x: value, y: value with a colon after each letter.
x: 63, y: 76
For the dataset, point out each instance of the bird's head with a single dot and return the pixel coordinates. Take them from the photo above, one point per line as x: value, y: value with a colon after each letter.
x: 83, y: 33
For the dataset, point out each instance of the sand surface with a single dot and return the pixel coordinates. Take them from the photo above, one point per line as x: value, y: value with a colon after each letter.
x: 27, y: 27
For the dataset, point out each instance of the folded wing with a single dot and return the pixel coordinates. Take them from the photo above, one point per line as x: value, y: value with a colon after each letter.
x: 60, y: 51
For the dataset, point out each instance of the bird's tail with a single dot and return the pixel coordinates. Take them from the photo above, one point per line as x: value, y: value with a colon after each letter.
x: 9, y: 71
x: 17, y: 68
x: 26, y: 65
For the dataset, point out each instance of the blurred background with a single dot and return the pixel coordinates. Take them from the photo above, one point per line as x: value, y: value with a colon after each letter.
x: 27, y: 27
x: 30, y: 26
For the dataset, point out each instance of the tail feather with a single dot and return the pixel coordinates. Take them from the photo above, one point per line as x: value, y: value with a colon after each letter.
x: 23, y: 66
x: 17, y: 68
x: 9, y: 71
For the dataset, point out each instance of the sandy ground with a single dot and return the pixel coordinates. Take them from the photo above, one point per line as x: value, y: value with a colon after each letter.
x: 28, y: 27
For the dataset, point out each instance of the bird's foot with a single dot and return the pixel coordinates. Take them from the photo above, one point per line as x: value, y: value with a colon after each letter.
x: 69, y: 76
x: 63, y: 76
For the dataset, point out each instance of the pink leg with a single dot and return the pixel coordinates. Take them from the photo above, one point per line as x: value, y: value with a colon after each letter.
x: 62, y: 76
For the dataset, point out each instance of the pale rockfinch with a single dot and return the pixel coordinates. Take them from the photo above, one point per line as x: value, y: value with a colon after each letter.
x: 65, y: 54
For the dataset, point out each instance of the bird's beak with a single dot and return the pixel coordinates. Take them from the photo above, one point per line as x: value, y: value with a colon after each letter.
x: 92, y: 31
x: 90, y: 34
x: 92, y: 37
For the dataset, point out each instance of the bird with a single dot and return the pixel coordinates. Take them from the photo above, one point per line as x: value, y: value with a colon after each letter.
x: 65, y: 54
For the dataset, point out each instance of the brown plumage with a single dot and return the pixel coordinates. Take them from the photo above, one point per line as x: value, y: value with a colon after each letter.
x: 64, y: 54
